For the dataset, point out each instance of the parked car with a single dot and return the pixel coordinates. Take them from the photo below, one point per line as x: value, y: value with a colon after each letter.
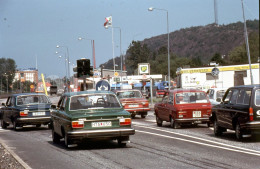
x: 239, y: 111
x: 26, y: 109
x: 214, y: 94
x: 183, y: 106
x: 133, y: 102
x: 89, y: 115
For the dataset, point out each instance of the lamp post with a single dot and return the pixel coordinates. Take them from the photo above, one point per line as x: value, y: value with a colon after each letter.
x: 169, y: 73
x: 93, y: 57
x: 120, y: 52
x: 68, y: 57
x: 65, y: 66
x: 6, y: 82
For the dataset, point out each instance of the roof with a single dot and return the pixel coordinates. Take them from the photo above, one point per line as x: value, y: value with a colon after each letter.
x: 27, y: 94
x: 87, y: 92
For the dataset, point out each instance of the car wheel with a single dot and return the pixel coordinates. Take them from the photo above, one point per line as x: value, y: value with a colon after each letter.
x: 143, y: 116
x: 133, y: 116
x: 159, y: 121
x: 3, y: 124
x: 38, y: 125
x: 121, y: 143
x: 55, y: 137
x: 174, y: 124
x: 67, y: 141
x: 208, y: 124
x: 15, y: 125
x: 217, y: 129
x: 238, y: 132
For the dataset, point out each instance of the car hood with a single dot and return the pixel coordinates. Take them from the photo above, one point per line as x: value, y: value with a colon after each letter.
x: 99, y: 113
x: 35, y: 107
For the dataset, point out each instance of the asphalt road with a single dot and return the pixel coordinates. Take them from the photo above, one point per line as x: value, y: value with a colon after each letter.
x: 150, y: 147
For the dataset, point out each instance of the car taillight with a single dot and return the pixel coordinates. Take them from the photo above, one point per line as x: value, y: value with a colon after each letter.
x: 123, y: 104
x: 181, y: 113
x: 23, y: 113
x: 251, y: 114
x: 145, y: 103
x: 124, y: 122
x: 77, y: 124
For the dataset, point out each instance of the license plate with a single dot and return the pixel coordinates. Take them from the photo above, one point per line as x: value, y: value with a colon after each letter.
x: 101, y: 124
x: 197, y: 122
x: 38, y: 113
x: 133, y: 105
x: 196, y: 113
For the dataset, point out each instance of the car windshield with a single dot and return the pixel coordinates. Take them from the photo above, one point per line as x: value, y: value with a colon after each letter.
x: 94, y: 101
x: 190, y: 97
x: 220, y: 93
x: 32, y: 99
x: 257, y: 97
x: 129, y: 94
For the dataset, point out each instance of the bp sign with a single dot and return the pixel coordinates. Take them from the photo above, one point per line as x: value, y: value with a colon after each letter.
x: 102, y: 85
x: 215, y: 71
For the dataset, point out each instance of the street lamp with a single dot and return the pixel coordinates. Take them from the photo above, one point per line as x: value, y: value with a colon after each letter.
x: 65, y: 66
x: 120, y: 52
x: 68, y: 56
x: 169, y: 74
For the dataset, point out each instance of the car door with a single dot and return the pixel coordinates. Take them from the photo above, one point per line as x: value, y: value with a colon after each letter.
x: 162, y: 108
x: 58, y: 115
x: 8, y: 112
x: 229, y: 110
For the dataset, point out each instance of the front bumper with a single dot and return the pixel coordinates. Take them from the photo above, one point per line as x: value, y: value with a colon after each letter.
x: 193, y: 120
x: 33, y: 120
x: 104, y: 133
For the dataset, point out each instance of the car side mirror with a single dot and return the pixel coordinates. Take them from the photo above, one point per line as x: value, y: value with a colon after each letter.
x: 53, y: 106
x: 218, y: 99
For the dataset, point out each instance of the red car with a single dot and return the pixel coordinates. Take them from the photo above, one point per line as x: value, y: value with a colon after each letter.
x: 183, y: 106
x: 133, y: 102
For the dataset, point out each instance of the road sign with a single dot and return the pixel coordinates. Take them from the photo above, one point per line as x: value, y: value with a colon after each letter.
x: 116, y: 74
x: 103, y: 85
x: 215, y: 71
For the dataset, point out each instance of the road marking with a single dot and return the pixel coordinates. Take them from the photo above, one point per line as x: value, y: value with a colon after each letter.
x: 151, y: 120
x: 210, y: 141
x: 205, y: 144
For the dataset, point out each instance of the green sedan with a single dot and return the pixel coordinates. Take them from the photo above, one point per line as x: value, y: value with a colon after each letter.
x: 90, y: 115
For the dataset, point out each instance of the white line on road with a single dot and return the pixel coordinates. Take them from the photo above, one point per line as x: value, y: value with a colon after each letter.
x: 210, y: 141
x: 195, y: 142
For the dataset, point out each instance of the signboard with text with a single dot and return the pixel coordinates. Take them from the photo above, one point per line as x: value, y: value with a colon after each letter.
x: 143, y: 68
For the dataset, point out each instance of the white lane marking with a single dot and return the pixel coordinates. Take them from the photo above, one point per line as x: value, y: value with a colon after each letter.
x: 210, y: 141
x: 231, y: 131
x: 151, y: 120
x: 204, y: 144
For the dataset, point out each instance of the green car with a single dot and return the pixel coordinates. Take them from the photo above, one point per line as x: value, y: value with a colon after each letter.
x: 90, y: 115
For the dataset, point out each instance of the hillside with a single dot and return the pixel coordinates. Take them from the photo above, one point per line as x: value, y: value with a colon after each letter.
x: 203, y: 41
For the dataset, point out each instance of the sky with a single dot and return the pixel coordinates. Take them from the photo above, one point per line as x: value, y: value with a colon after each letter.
x: 30, y: 30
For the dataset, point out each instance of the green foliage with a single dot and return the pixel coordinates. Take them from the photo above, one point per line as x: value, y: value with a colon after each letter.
x: 7, y: 73
x: 218, y: 59
x: 22, y: 87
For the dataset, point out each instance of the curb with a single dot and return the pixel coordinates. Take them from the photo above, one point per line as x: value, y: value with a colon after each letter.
x: 19, y: 160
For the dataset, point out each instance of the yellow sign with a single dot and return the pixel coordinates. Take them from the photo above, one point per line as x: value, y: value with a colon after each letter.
x: 31, y: 86
x: 116, y: 74
x: 45, y: 90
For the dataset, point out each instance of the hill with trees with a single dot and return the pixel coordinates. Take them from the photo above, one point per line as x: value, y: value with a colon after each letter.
x: 193, y: 47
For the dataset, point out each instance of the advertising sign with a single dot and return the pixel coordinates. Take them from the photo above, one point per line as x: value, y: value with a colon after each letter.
x: 143, y: 68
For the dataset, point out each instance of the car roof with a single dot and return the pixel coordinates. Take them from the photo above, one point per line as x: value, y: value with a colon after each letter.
x: 87, y: 92
x: 185, y: 90
x: 247, y: 86
x: 27, y: 94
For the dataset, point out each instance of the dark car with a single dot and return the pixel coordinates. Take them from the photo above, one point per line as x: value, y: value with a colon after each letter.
x: 239, y: 111
x: 133, y: 102
x: 26, y: 109
x: 89, y: 115
x: 183, y: 107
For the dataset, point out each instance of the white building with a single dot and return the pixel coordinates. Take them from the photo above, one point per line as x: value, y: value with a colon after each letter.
x: 228, y: 76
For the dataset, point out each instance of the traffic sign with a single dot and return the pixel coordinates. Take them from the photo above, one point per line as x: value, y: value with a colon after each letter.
x: 103, y: 85
x: 116, y: 74
x: 215, y: 71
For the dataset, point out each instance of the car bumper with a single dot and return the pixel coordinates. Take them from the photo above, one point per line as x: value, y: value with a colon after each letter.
x: 138, y: 110
x: 251, y: 126
x: 193, y: 120
x: 104, y: 133
x: 33, y: 120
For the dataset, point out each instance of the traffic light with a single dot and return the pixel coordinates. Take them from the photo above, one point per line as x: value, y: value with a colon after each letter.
x: 84, y: 68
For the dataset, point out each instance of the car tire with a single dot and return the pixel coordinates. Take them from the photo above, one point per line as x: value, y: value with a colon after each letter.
x: 217, y: 129
x: 174, y: 124
x: 159, y: 121
x: 208, y: 124
x: 15, y: 125
x: 238, y: 132
x: 133, y: 116
x: 55, y: 137
x: 38, y: 125
x: 120, y: 143
x: 67, y: 140
x: 143, y: 116
x: 3, y: 124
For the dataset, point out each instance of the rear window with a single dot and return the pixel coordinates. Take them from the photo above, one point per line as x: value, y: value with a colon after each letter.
x: 244, y: 97
x: 257, y: 97
x: 32, y: 99
x: 129, y: 94
x: 190, y: 97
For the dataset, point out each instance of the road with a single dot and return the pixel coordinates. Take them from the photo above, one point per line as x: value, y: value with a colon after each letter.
x: 150, y: 147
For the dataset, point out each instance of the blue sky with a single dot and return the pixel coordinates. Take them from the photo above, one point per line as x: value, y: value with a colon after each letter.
x: 33, y: 28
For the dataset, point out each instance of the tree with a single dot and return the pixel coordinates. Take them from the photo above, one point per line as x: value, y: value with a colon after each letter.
x: 217, y: 58
x: 7, y: 73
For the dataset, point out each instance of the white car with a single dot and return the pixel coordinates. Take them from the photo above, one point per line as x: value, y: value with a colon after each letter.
x: 215, y: 93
